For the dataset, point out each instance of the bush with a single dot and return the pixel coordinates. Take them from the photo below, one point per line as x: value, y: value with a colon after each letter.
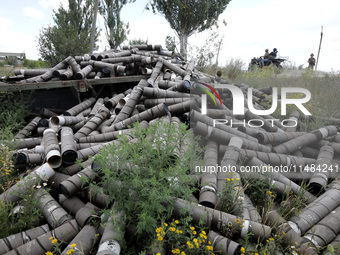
x: 34, y: 63
x: 143, y: 177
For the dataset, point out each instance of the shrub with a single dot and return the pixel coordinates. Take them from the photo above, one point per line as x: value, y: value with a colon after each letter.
x: 143, y: 177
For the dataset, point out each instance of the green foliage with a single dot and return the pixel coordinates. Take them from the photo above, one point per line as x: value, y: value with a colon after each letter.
x: 204, y: 55
x: 12, y: 61
x: 229, y: 199
x: 188, y: 17
x: 170, y: 43
x: 15, y: 218
x: 70, y: 35
x: 34, y: 63
x: 116, y: 29
x: 143, y: 177
x: 256, y: 189
x: 138, y: 42
x: 13, y: 109
x: 233, y: 68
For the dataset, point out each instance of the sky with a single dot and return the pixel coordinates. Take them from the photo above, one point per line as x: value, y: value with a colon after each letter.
x: 291, y: 26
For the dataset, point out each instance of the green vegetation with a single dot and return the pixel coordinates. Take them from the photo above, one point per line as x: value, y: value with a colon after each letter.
x: 70, y: 35
x: 116, y: 29
x: 189, y: 17
x: 144, y: 176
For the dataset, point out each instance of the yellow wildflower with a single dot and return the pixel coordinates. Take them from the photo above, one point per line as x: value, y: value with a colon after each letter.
x: 54, y: 240
x: 48, y: 253
x: 70, y: 251
x: 160, y: 238
x: 73, y: 245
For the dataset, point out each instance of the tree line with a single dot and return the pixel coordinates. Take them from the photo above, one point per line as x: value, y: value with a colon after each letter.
x: 70, y: 34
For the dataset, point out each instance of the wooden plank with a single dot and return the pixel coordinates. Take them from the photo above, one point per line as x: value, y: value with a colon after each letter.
x: 69, y: 83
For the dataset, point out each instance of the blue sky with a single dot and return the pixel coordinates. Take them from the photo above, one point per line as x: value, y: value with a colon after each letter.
x: 292, y: 26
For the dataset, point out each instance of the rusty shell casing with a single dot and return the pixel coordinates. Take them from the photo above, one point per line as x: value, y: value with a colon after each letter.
x: 150, y: 102
x: 125, y: 60
x: 326, y: 230
x: 197, y: 116
x: 13, y: 194
x: 30, y: 127
x: 289, y: 236
x: 68, y: 74
x: 52, y: 149
x: 221, y: 221
x: 66, y: 120
x: 223, y: 245
x: 30, y: 72
x: 75, y: 110
x: 173, y: 67
x: 306, y: 139
x: 57, y: 73
x: 161, y: 93
x: 92, y: 124
x: 112, y: 102
x: 229, y: 162
x: 223, y: 137
x: 97, y: 196
x: 83, y: 72
x: 71, y: 204
x: 27, y: 142
x: 74, y: 65
x: 68, y: 146
x: 208, y: 196
x: 122, y: 53
x: 276, y: 159
x: 265, y: 123
x: 152, y: 113
x: 135, y: 96
x: 42, y: 244
x: 277, y: 137
x: 14, y: 241
x: 56, y: 179
x: 54, y: 214
x: 86, y: 213
x: 84, y: 241
x: 105, y: 137
x: 113, y: 236
x: 324, y: 161
x: 97, y: 106
x: 293, y: 119
x: 155, y: 73
x: 315, y: 211
x: 253, y: 213
x: 73, y: 184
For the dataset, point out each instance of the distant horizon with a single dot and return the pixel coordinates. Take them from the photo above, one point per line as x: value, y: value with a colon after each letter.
x: 293, y: 27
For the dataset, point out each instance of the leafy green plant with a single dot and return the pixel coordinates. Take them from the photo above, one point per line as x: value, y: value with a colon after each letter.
x: 144, y: 176
x: 13, y: 109
x: 229, y: 199
x: 19, y: 217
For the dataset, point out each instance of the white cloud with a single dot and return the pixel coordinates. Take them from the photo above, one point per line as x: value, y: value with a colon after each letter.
x: 16, y: 41
x: 33, y: 13
x: 53, y: 4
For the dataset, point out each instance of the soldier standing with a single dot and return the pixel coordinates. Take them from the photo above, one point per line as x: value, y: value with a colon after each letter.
x: 311, y: 62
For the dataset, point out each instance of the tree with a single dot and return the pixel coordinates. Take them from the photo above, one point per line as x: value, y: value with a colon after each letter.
x: 116, y: 29
x: 187, y: 17
x: 71, y: 33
